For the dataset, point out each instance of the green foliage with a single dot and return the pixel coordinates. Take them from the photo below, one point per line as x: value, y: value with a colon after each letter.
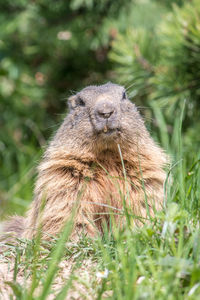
x: 161, y: 65
x: 178, y: 70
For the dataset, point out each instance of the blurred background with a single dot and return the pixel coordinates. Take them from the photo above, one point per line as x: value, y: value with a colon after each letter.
x: 49, y: 50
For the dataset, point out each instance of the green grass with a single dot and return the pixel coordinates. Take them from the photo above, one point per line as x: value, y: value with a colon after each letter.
x: 160, y: 260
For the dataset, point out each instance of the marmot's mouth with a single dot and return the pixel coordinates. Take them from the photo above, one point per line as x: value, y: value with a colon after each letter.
x: 106, y: 131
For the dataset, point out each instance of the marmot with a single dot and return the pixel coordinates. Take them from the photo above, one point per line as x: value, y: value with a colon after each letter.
x: 102, y: 157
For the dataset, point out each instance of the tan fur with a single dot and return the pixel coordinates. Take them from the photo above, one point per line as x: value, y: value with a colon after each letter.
x: 89, y: 172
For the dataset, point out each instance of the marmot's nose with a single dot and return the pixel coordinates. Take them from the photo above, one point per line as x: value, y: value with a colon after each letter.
x: 105, y: 111
x: 105, y: 115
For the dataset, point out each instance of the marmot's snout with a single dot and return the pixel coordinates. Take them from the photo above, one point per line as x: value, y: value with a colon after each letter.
x: 106, y: 116
x: 104, y: 109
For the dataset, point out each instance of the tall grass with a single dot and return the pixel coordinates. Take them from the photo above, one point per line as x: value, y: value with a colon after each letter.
x: 160, y: 260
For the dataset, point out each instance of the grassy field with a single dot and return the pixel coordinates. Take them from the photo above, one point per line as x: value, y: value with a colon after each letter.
x: 50, y: 50
x: 157, y: 261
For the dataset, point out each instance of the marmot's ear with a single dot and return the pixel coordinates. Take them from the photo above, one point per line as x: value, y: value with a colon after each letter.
x: 75, y: 101
x: 72, y: 101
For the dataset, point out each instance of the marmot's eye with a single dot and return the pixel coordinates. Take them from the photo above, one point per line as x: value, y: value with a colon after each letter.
x: 81, y: 102
x: 124, y: 95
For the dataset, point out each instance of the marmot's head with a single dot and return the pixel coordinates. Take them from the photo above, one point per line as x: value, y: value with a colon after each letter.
x: 102, y: 116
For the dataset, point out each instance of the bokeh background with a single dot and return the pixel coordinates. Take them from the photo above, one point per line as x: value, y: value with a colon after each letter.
x: 49, y: 50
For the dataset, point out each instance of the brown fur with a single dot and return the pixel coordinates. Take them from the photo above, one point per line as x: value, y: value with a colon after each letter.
x: 83, y: 165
